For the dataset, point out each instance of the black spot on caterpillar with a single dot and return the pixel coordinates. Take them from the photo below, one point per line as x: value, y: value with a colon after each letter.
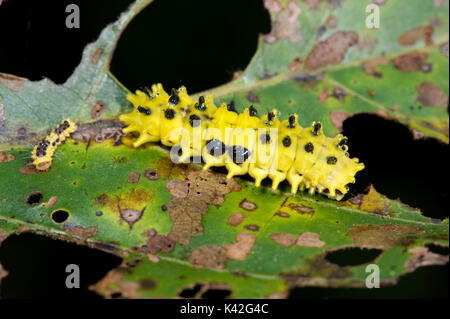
x: 243, y: 142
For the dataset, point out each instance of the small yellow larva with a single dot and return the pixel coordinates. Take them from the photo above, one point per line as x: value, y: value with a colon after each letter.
x: 43, y: 152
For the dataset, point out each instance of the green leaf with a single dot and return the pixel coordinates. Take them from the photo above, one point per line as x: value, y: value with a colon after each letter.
x: 177, y: 226
x: 275, y: 78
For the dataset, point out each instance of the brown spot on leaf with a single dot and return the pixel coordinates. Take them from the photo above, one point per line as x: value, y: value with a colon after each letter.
x: 21, y: 131
x: 168, y: 169
x: 112, y: 285
x: 186, y: 215
x: 417, y: 135
x: 96, y: 56
x: 51, y: 201
x: 285, y: 24
x: 247, y: 205
x: 128, y: 206
x: 148, y: 284
x: 421, y: 256
x: 338, y: 117
x: 383, y: 236
x: 151, y: 174
x: 431, y: 95
x: 28, y: 169
x: 339, y: 94
x: 323, y: 96
x: 99, y: 131
x: 131, y: 216
x: 191, y: 199
x: 309, y: 239
x: 133, y: 178
x: 153, y: 258
x: 372, y: 202
x: 295, y: 64
x: 236, y: 219
x: 82, y: 232
x: 411, y: 62
x: 273, y: 6
x: 332, y: 22
x: 97, y: 109
x: 252, y: 227
x: 356, y: 200
x: 286, y: 240
x: 12, y: 82
x: 412, y: 36
x: 242, y: 247
x: 302, y: 210
x: 209, y: 257
x: 157, y: 242
x: 4, y: 157
x: 237, y: 74
x: 369, y: 66
x: 331, y: 50
x: 283, y: 214
x: 318, y: 267
x: 439, y: 3
x: 252, y: 97
x: 177, y: 188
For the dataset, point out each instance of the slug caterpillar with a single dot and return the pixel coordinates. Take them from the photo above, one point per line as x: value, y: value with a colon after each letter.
x: 43, y: 152
x: 243, y: 142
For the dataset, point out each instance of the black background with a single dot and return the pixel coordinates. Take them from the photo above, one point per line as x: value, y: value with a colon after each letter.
x: 199, y: 44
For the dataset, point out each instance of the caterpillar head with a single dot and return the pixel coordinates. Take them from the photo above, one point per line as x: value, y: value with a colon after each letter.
x: 144, y: 119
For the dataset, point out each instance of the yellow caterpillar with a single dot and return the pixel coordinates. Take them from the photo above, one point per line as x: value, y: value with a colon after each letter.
x: 43, y: 152
x: 244, y: 143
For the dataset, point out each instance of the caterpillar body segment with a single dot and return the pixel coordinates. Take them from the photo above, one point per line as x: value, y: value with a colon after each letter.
x: 287, y: 145
x: 196, y: 121
x: 215, y: 150
x: 42, y: 153
x: 265, y: 155
x: 245, y: 143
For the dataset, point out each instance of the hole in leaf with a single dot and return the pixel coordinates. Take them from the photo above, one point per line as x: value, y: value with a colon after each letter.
x: 429, y: 283
x: 352, y: 256
x: 190, y: 292
x: 36, y: 266
x: 116, y: 295
x: 60, y: 216
x: 201, y: 52
x: 34, y: 198
x: 397, y: 165
x: 437, y: 249
x: 216, y: 293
